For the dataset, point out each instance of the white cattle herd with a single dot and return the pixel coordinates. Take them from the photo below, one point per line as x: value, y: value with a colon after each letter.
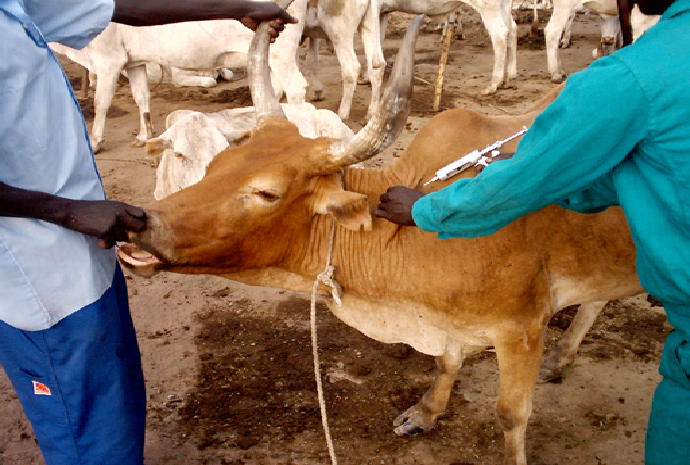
x: 192, y: 140
x: 194, y: 52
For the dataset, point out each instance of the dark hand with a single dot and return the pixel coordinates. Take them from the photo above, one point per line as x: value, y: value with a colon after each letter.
x: 396, y: 205
x: 268, y: 11
x: 107, y: 220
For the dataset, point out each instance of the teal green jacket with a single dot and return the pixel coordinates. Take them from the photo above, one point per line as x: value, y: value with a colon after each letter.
x: 618, y: 134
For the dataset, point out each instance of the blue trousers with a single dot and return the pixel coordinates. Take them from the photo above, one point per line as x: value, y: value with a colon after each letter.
x: 80, y: 383
x: 668, y: 431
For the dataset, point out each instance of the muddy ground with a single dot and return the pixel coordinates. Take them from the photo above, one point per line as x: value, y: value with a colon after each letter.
x: 229, y: 367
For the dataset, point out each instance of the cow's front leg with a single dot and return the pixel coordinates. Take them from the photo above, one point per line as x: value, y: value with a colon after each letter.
x: 313, y: 66
x: 106, y: 83
x: 518, y: 354
x: 349, y: 70
x: 422, y: 416
x: 376, y: 63
x: 138, y: 82
x: 552, y: 35
x: 500, y: 34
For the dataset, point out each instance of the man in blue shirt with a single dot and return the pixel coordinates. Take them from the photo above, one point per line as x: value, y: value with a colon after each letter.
x: 67, y: 342
x: 618, y: 134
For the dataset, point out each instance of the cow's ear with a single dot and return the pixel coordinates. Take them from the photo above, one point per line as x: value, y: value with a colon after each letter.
x: 157, y: 145
x: 350, y: 209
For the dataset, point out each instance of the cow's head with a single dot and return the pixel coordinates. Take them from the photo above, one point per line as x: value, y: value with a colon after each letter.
x: 258, y: 198
x: 186, y: 149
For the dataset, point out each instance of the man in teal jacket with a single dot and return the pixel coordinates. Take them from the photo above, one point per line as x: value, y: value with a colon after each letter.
x: 618, y: 134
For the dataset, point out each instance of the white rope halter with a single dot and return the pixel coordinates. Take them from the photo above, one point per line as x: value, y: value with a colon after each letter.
x: 325, y: 277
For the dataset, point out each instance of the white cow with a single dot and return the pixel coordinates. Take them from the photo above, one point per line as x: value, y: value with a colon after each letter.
x: 206, y: 46
x: 498, y: 20
x: 559, y: 29
x: 338, y: 21
x: 186, y: 77
x: 192, y: 139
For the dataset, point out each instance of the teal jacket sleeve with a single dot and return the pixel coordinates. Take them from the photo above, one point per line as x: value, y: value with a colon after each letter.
x: 573, y: 145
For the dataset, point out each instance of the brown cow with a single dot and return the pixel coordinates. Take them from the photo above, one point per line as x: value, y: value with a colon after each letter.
x: 264, y: 211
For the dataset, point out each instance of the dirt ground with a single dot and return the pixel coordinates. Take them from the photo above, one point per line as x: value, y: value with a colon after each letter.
x: 229, y: 367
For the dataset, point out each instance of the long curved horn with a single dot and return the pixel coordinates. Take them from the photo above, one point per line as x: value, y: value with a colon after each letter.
x: 385, y: 126
x: 259, y: 74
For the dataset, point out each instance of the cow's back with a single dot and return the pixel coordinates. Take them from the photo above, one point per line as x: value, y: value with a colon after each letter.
x: 191, y: 45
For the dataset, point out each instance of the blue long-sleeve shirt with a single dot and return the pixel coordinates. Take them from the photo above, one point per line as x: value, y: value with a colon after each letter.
x: 46, y: 272
x: 618, y: 134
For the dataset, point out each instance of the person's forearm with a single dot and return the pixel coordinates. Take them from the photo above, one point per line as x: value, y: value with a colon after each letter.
x: 108, y: 220
x: 22, y: 203
x: 570, y: 147
x: 156, y: 12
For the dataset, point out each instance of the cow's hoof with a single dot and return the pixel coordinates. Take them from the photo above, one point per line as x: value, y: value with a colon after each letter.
x: 492, y: 89
x: 558, y: 79
x: 96, y: 146
x: 549, y: 374
x: 409, y: 428
x: 412, y: 423
x: 317, y: 97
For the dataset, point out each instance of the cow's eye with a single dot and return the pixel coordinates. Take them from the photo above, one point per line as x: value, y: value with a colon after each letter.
x: 269, y: 195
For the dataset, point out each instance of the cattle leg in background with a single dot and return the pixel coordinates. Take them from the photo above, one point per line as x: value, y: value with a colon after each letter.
x: 313, y: 66
x: 190, y: 78
x: 559, y: 28
x: 567, y: 36
x: 103, y: 96
x: 565, y: 350
x: 610, y: 37
x: 85, y: 83
x: 339, y: 22
x: 138, y: 82
x: 454, y: 21
x: 373, y: 51
x: 498, y: 20
x: 497, y: 17
x: 562, y: 11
